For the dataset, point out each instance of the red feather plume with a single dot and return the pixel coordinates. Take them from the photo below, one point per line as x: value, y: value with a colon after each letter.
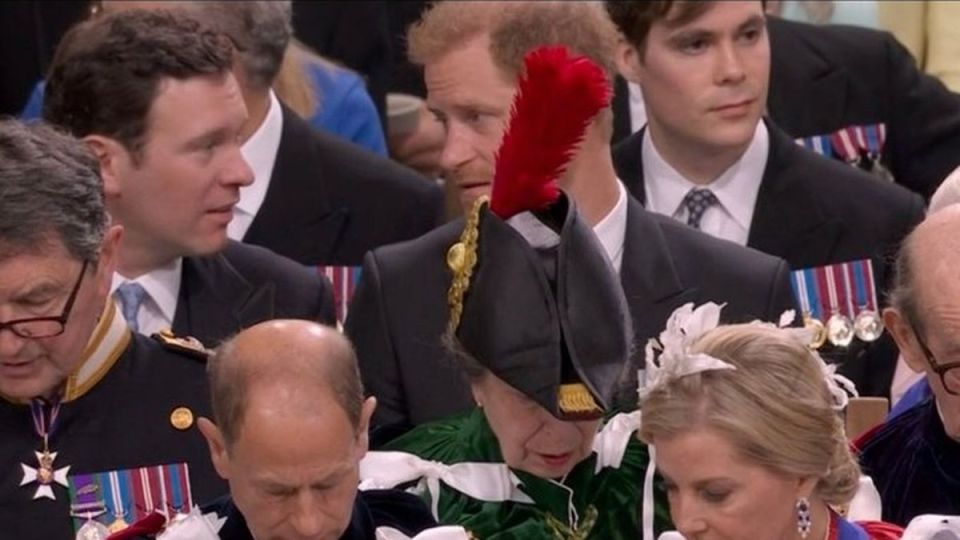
x: 557, y: 97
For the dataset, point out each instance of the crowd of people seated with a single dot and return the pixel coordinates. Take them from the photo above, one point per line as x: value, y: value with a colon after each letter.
x: 621, y: 270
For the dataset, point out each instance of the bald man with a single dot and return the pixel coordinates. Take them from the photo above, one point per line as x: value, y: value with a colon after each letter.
x: 914, y: 459
x: 291, y: 427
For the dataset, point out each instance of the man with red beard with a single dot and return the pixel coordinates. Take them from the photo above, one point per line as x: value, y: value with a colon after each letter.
x: 472, y: 54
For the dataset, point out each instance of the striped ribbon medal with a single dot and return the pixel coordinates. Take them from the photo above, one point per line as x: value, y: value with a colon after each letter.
x: 112, y: 500
x: 839, y: 302
x: 344, y: 280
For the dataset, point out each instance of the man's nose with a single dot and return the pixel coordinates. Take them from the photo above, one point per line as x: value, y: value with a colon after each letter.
x: 457, y: 148
x: 237, y: 171
x: 307, y: 519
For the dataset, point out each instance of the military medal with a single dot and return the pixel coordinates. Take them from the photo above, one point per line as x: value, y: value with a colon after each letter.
x: 868, y: 325
x: 805, y: 291
x: 91, y: 529
x: 117, y: 506
x: 839, y: 325
x: 45, y: 474
x: 840, y: 330
x: 872, y: 139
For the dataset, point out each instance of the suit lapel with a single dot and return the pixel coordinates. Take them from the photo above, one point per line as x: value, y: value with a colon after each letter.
x: 628, y: 162
x: 621, y: 109
x: 297, y: 217
x: 215, y: 301
x: 787, y: 220
x: 651, y: 284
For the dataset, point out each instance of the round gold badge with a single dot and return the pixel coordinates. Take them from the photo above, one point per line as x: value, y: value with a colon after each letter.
x: 181, y: 418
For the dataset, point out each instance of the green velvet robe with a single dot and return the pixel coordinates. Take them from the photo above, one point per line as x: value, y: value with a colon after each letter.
x: 606, y: 505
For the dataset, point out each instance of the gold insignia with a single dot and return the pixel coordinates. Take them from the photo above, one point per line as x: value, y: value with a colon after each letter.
x: 575, y: 399
x: 461, y: 258
x: 189, y: 346
x: 181, y: 418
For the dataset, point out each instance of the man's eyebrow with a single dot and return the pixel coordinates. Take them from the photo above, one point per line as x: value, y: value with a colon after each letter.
x: 37, y: 292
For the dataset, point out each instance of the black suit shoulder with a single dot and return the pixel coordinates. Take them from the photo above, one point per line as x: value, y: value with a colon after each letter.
x: 826, y: 78
x: 330, y: 201
x: 398, y: 314
x: 882, y: 210
x: 122, y: 422
x: 753, y: 284
x: 301, y: 293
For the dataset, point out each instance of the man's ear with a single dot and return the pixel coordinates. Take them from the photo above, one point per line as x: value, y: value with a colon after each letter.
x: 363, y: 428
x: 113, y: 157
x: 629, y: 61
x: 108, y: 257
x: 217, y: 445
x: 902, y: 334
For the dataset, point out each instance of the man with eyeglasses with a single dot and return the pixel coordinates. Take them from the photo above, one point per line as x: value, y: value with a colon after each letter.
x: 96, y: 422
x: 914, y: 458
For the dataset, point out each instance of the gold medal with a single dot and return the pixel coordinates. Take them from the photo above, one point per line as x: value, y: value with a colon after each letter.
x: 868, y: 326
x: 181, y: 418
x: 840, y: 330
x: 818, y: 334
x: 118, y: 525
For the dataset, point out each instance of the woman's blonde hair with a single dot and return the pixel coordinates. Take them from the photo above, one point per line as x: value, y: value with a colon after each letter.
x: 294, y: 84
x: 775, y: 407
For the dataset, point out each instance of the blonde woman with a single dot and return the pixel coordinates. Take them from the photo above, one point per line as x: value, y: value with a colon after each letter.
x: 745, y: 428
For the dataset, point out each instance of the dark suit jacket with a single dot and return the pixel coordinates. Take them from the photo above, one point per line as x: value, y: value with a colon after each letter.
x: 825, y: 78
x: 399, y: 311
x: 243, y: 285
x: 812, y: 212
x: 123, y: 422
x: 330, y: 201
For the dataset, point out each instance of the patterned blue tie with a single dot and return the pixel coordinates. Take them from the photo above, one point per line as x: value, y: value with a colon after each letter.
x: 131, y: 297
x: 697, y: 201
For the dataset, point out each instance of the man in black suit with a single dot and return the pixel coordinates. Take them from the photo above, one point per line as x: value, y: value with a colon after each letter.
x: 706, y: 157
x: 315, y: 198
x: 827, y: 78
x: 472, y: 53
x: 152, y: 94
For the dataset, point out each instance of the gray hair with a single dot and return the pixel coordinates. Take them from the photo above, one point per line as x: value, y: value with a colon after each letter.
x: 259, y: 29
x: 50, y: 189
x: 903, y: 294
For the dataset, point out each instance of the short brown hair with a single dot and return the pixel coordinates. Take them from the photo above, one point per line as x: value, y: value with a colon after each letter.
x: 515, y: 28
x: 775, y: 407
x: 107, y: 70
x: 634, y: 18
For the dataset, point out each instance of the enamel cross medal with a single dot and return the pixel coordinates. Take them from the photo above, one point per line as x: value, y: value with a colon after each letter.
x: 45, y: 475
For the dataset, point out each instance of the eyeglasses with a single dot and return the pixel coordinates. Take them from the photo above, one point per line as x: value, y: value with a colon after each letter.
x: 949, y: 372
x: 41, y: 327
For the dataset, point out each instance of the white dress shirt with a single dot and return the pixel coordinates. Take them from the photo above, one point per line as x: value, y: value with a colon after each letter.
x: 638, y: 111
x: 736, y: 188
x: 160, y: 304
x: 260, y: 152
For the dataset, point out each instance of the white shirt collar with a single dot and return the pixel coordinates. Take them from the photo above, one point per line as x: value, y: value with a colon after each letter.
x: 736, y: 188
x: 260, y: 152
x: 162, y: 286
x: 612, y: 229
